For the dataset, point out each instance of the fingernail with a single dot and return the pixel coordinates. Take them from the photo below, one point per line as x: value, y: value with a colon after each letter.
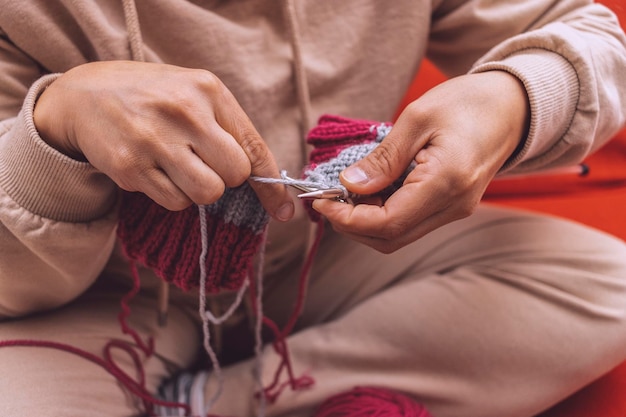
x: 355, y: 175
x: 285, y: 212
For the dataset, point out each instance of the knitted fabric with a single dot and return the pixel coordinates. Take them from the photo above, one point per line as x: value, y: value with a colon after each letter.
x: 338, y: 143
x: 212, y: 248
x: 169, y: 242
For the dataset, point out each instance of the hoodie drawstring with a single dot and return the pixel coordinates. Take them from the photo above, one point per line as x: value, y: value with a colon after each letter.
x: 135, y: 42
x: 300, y: 78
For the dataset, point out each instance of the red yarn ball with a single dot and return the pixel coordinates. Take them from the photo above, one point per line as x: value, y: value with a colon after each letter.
x: 371, y: 402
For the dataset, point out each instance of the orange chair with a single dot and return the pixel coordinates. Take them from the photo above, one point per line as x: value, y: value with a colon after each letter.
x: 598, y: 199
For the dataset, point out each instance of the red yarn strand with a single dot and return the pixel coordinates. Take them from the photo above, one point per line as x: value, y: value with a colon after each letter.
x: 137, y: 388
x: 132, y: 386
x: 146, y: 348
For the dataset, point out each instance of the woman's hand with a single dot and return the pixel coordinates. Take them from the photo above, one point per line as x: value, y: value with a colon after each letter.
x: 176, y: 134
x: 459, y: 134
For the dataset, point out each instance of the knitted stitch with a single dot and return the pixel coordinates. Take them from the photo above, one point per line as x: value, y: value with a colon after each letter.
x: 169, y: 242
x: 212, y: 247
x: 335, y: 133
x: 338, y: 143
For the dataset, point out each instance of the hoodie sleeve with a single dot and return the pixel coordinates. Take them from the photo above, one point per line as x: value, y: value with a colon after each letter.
x: 569, y: 55
x: 57, y: 215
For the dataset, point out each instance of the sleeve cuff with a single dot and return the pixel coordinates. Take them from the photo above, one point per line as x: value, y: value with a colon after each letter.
x: 45, y: 181
x: 553, y: 90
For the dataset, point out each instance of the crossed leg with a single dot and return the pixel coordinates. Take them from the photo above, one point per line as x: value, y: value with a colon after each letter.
x: 503, y: 313
x: 40, y: 381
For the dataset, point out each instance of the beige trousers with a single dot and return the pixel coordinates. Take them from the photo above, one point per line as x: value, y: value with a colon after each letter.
x: 500, y: 314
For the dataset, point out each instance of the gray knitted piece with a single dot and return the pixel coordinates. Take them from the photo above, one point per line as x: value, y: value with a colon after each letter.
x: 241, y: 207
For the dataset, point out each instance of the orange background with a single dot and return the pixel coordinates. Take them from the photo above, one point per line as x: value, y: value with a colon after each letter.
x: 598, y: 199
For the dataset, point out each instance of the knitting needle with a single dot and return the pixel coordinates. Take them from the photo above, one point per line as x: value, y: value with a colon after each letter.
x: 329, y: 193
x: 302, y: 188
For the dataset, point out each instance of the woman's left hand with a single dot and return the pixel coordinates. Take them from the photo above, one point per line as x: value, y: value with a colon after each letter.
x: 459, y: 134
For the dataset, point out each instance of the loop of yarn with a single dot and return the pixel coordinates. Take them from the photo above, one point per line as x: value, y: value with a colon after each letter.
x: 338, y: 143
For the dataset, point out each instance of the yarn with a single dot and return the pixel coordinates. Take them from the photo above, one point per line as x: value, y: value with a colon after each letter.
x: 338, y: 142
x: 371, y: 402
x: 212, y: 248
x: 153, y: 236
x: 169, y: 242
x: 333, y: 133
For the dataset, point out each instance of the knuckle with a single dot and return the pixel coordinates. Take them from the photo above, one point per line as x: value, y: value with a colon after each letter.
x: 385, y: 157
x: 170, y: 198
x: 237, y: 178
x: 208, y: 81
x: 239, y: 172
x: 210, y: 194
x: 255, y: 149
x: 175, y: 204
x: 414, y: 110
x: 420, y: 114
x: 201, y: 188
x: 127, y: 164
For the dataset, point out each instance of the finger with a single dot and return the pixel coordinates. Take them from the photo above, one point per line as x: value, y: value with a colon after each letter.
x: 401, y: 212
x: 386, y: 246
x: 387, y: 162
x: 274, y: 197
x: 158, y: 186
x: 412, y: 211
x: 374, y: 200
x: 198, y: 181
x: 220, y: 151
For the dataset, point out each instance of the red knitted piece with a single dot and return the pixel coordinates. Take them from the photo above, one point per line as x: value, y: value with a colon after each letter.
x: 371, y: 402
x: 335, y: 133
x: 169, y: 242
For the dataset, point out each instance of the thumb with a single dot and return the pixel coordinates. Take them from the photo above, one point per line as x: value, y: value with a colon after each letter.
x: 384, y: 165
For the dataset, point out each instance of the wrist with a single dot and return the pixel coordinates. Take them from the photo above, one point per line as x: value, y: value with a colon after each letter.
x: 517, y: 107
x: 50, y: 122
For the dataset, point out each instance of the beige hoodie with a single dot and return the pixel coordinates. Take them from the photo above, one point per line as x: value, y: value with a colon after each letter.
x: 357, y: 58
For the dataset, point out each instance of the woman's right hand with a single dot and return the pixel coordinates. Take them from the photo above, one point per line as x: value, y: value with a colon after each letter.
x: 176, y: 134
